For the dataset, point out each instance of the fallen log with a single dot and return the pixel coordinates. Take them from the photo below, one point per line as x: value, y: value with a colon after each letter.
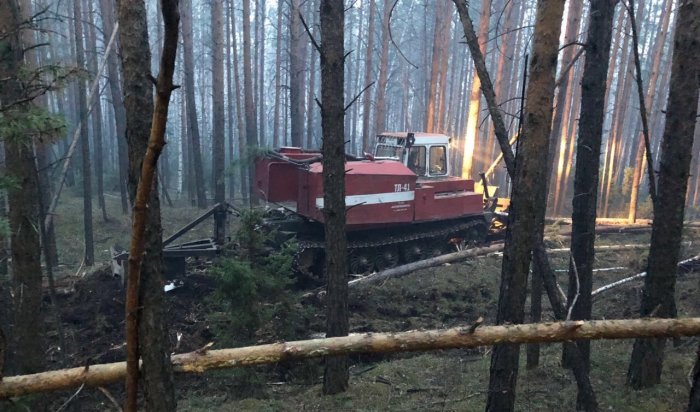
x: 406, y: 269
x: 687, y: 265
x: 412, y: 341
x: 402, y: 270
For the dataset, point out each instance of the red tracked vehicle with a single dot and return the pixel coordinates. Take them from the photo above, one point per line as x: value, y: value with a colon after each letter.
x: 402, y: 204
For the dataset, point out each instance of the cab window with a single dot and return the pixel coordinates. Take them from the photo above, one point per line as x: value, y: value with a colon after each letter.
x: 416, y: 160
x: 438, y: 160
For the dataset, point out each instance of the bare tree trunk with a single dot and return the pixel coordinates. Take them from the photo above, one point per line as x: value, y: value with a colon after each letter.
x: 261, y: 11
x: 658, y: 298
x: 218, y: 145
x: 278, y: 80
x: 231, y: 104
x: 332, y: 18
x: 528, y: 200
x: 367, y: 97
x: 96, y: 115
x: 380, y: 116
x: 241, y: 122
x: 310, y: 102
x: 23, y: 214
x: 475, y: 95
x: 560, y: 136
x: 297, y: 47
x: 107, y: 11
x: 193, y: 123
x: 250, y: 124
x: 89, y: 255
x: 643, y: 145
x: 593, y: 86
x: 145, y: 306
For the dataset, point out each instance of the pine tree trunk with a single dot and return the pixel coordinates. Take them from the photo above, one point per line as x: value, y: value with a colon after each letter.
x: 96, y: 116
x: 297, y: 68
x: 107, y: 11
x: 261, y: 11
x: 528, y: 201
x: 231, y: 106
x: 563, y: 101
x: 241, y: 122
x: 250, y: 124
x: 23, y: 213
x: 593, y: 86
x: 218, y: 145
x: 647, y: 103
x: 89, y: 255
x: 193, y: 123
x: 658, y: 298
x: 278, y: 80
x: 310, y: 94
x: 153, y: 343
x: 475, y: 95
x: 380, y: 116
x: 367, y: 96
x: 332, y: 16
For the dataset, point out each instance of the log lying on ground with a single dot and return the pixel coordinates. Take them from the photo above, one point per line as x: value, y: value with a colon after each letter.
x: 402, y: 270
x: 406, y: 269
x: 687, y: 265
x: 463, y: 337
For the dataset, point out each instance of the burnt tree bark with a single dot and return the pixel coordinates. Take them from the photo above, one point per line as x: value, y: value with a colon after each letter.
x: 589, y: 142
x: 145, y: 307
x: 658, y: 298
x: 332, y: 18
x: 528, y: 199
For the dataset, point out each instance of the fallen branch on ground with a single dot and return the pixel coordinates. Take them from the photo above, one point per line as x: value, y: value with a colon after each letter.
x: 687, y: 265
x: 413, y: 341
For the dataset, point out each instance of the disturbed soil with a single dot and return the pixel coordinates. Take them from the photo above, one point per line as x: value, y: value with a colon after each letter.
x: 92, y: 314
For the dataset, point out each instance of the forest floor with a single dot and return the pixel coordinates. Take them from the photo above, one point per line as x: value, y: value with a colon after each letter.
x: 92, y: 313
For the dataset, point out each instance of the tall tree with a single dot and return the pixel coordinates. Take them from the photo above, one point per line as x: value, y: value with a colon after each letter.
x: 297, y: 44
x: 590, y: 126
x: 219, y: 121
x: 107, y: 11
x: 646, y: 104
x: 380, y: 116
x: 89, y: 255
x: 251, y: 128
x: 193, y: 123
x: 332, y: 18
x: 658, y: 298
x: 528, y: 200
x: 153, y: 343
x: 22, y: 201
x: 369, y: 56
x: 475, y: 95
x: 278, y: 80
x: 96, y: 115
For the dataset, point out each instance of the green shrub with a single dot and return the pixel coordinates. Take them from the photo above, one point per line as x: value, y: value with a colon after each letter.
x: 252, y: 291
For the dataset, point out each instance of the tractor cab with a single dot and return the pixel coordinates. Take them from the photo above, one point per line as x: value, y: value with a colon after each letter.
x: 426, y: 154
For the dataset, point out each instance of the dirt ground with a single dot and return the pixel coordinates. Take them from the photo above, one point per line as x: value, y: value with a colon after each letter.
x: 439, y: 297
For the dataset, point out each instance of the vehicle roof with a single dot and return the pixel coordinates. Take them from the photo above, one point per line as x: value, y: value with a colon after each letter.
x: 367, y: 167
x: 421, y: 137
